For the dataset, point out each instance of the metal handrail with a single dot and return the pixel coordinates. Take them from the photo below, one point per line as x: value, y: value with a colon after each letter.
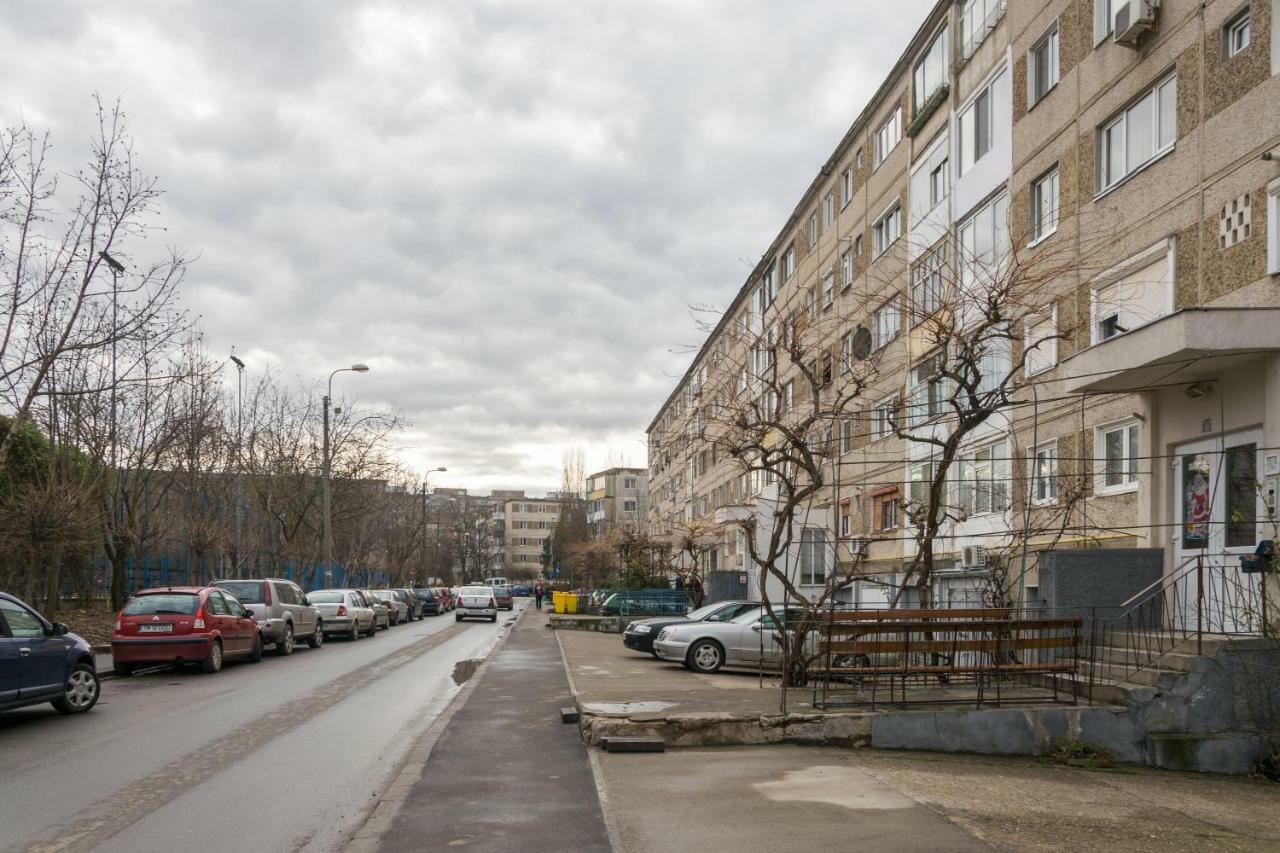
x: 1163, y: 581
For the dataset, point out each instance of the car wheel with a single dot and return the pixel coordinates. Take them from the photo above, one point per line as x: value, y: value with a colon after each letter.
x: 493, y: 618
x: 213, y: 663
x: 123, y: 670
x: 457, y: 618
x: 81, y: 691
x: 655, y: 656
x: 355, y: 631
x: 284, y: 646
x: 255, y: 656
x: 373, y: 629
x: 705, y: 656
x: 316, y: 640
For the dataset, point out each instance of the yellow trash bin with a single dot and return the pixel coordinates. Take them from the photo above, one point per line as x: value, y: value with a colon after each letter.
x: 557, y: 601
x: 570, y: 603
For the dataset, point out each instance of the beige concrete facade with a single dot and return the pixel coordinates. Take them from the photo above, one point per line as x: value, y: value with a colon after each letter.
x: 617, y: 499
x: 526, y: 524
x: 1169, y: 364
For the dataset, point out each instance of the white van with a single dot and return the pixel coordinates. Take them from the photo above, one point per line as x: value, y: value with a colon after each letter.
x: 496, y: 582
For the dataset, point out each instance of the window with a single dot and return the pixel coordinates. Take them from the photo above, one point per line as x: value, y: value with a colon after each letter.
x: 884, y: 510
x: 984, y: 242
x: 828, y: 210
x: 788, y: 264
x: 857, y: 158
x: 920, y: 483
x: 1040, y: 342
x: 887, y: 228
x: 628, y: 482
x: 938, y: 183
x: 1103, y: 20
x: 1043, y: 463
x: 927, y: 284
x: 813, y: 233
x: 857, y: 245
x: 788, y: 396
x: 846, y: 527
x: 886, y: 324
x: 1139, y: 293
x: 979, y: 121
x: 1139, y: 134
x: 884, y: 418
x: 828, y: 289
x: 983, y: 482
x: 929, y: 393
x: 846, y: 187
x: 977, y: 18
x: 1236, y: 35
x: 930, y: 71
x: 1042, y: 66
x: 217, y: 604
x: 888, y: 136
x: 813, y: 557
x: 1044, y: 205
x: 929, y: 179
x: 1118, y: 444
x: 846, y: 268
x: 1273, y: 225
x: 22, y: 622
x: 846, y: 435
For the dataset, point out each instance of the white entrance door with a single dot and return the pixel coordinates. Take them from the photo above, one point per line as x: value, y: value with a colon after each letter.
x: 1220, y: 512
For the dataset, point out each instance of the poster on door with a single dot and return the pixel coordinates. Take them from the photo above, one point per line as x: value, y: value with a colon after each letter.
x: 1196, y: 505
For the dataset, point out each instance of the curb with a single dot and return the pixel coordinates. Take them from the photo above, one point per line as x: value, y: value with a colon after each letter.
x: 367, y: 837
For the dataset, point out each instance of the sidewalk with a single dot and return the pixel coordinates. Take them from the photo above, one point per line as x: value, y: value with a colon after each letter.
x: 506, y: 774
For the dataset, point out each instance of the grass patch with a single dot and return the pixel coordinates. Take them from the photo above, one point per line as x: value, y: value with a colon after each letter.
x: 1084, y: 755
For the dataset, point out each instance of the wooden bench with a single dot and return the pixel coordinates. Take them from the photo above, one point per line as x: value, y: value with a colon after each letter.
x: 941, y: 645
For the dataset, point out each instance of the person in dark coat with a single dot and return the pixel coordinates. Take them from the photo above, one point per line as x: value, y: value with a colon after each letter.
x: 537, y: 595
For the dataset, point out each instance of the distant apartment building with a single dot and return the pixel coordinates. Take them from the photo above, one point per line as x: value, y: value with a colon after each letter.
x: 1140, y: 142
x: 526, y: 524
x: 617, y: 499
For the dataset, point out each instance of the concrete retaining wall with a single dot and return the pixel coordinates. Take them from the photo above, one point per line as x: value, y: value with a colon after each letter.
x: 571, y: 622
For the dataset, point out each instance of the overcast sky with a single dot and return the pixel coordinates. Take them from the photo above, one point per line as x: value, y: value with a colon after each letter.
x: 505, y: 208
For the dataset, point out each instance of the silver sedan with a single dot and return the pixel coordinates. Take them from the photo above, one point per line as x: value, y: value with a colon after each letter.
x: 750, y: 640
x: 343, y: 612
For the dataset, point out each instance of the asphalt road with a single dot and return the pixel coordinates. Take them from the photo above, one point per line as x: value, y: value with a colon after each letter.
x: 287, y: 754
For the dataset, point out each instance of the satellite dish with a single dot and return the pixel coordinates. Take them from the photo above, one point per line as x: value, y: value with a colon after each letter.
x: 861, y: 342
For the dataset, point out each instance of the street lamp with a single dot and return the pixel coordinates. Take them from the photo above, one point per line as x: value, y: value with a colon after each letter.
x: 328, y: 465
x: 238, y: 497
x: 424, y: 518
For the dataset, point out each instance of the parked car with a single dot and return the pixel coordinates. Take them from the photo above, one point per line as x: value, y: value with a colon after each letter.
x: 411, y: 601
x: 428, y: 600
x: 496, y: 581
x: 502, y: 595
x: 397, y: 610
x: 42, y: 661
x: 448, y: 600
x: 477, y: 602
x: 344, y: 612
x: 381, y: 613
x: 184, y: 624
x: 640, y: 634
x: 284, y: 615
x: 747, y: 640
x: 521, y: 591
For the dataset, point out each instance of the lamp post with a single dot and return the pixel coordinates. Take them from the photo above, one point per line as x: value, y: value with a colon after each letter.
x: 238, y: 497
x: 328, y: 466
x: 424, y: 519
x: 117, y: 269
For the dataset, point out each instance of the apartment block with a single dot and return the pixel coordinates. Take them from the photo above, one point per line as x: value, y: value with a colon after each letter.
x: 526, y: 524
x: 1131, y: 151
x: 617, y: 500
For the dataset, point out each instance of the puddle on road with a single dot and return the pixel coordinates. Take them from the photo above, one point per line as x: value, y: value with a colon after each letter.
x: 464, y: 669
x: 840, y: 786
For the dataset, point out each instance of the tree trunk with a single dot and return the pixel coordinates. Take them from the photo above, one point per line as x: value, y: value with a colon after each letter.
x: 119, y: 557
x: 53, y: 583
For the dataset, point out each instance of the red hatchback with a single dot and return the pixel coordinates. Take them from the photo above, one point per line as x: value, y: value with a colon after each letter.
x: 183, y: 624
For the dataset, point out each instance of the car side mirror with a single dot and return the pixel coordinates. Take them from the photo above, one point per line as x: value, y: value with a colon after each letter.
x: 758, y: 627
x: 59, y: 630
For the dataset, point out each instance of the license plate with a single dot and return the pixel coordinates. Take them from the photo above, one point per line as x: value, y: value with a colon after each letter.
x: 161, y: 628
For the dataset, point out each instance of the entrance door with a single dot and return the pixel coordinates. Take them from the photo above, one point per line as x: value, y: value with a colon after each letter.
x: 1220, y: 513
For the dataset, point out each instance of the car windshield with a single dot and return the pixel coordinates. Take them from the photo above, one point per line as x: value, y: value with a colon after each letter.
x: 424, y: 593
x: 326, y: 596
x: 702, y: 612
x: 167, y: 602
x: 248, y: 592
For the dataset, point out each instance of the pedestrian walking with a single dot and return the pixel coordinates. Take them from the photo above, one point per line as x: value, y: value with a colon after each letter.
x: 537, y: 595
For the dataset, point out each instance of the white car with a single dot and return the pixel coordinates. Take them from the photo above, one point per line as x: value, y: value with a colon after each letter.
x: 476, y: 602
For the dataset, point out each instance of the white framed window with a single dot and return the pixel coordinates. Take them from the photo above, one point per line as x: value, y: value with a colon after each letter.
x: 977, y: 19
x: 928, y: 284
x: 829, y: 210
x: 1103, y: 20
x: 884, y: 418
x: 1044, y: 205
x: 828, y: 289
x: 887, y: 323
x: 980, y: 119
x: 813, y: 230
x: 984, y: 243
x: 929, y: 181
x: 1140, y: 133
x: 888, y: 135
x: 920, y: 483
x: 789, y: 396
x: 789, y: 264
x: 1133, y: 293
x: 1116, y: 457
x: 982, y: 483
x: 846, y: 268
x: 930, y: 71
x: 938, y: 183
x: 1042, y: 463
x: 1040, y: 342
x: 995, y: 364
x: 846, y: 352
x: 846, y: 435
x: 887, y: 228
x: 1042, y: 66
x: 1273, y: 226
x: 846, y: 187
x: 930, y: 392
x: 857, y: 158
x: 813, y: 556
x: 857, y: 245
x: 1236, y: 34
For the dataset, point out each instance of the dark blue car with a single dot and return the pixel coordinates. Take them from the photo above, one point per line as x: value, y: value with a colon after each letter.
x: 42, y: 661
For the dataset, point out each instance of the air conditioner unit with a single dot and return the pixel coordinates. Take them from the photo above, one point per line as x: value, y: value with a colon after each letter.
x: 1135, y: 19
x: 858, y: 546
x: 974, y: 556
